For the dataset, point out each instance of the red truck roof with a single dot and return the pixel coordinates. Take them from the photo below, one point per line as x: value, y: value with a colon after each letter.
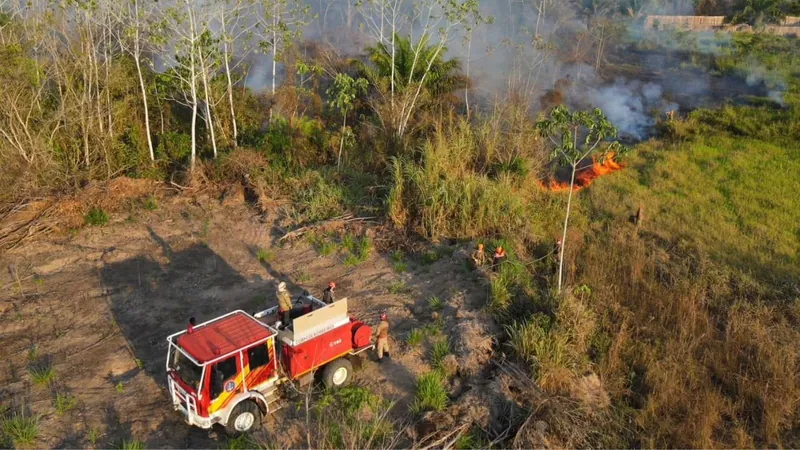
x: 223, y: 336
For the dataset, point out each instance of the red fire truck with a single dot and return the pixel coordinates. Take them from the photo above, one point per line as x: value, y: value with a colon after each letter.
x: 228, y: 370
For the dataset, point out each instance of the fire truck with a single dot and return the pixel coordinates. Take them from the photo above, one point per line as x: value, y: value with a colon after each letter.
x: 229, y: 370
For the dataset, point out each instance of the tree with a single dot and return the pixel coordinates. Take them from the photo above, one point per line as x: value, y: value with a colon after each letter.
x: 133, y: 19
x: 341, y: 96
x: 565, y: 129
x: 383, y: 18
x: 756, y: 12
x: 281, y: 23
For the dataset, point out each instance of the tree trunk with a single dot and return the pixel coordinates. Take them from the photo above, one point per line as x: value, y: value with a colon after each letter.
x: 466, y: 89
x: 564, y: 234
x: 230, y: 96
x: 209, y: 122
x: 137, y: 58
x: 341, y: 142
x: 193, y: 87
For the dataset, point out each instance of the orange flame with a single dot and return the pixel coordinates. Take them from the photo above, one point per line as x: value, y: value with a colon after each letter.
x: 584, y: 176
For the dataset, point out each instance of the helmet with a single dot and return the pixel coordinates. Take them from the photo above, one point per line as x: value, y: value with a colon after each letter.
x: 282, y: 286
x: 480, y: 246
x: 332, y: 284
x: 383, y: 315
x: 499, y: 250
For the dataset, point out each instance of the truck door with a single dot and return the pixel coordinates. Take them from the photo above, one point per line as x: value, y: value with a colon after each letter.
x: 261, y: 364
x: 225, y: 380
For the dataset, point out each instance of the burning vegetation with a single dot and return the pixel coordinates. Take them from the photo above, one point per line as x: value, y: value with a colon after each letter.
x: 584, y: 176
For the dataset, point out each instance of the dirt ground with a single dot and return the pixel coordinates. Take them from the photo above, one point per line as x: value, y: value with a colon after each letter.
x: 98, y: 303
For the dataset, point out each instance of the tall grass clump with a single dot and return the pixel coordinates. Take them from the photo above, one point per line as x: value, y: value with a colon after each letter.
x: 352, y: 417
x: 21, y: 429
x: 444, y: 194
x: 42, y: 373
x: 431, y: 394
x: 96, y: 217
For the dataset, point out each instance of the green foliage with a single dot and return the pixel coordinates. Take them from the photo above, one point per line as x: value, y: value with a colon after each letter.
x: 119, y: 387
x: 265, y: 255
x: 398, y: 288
x: 352, y: 417
x: 359, y: 249
x: 435, y: 303
x: 243, y: 442
x: 42, y: 373
x: 398, y: 261
x: 431, y: 394
x: 96, y: 217
x: 132, y: 445
x: 21, y: 429
x: 150, y: 203
x: 439, y: 351
x: 65, y: 402
x: 410, y: 63
x: 415, y: 337
x: 93, y: 435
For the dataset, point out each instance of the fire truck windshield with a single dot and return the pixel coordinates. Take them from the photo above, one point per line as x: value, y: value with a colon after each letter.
x: 188, y: 371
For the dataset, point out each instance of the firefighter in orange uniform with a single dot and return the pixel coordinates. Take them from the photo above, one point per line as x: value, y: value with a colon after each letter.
x: 382, y: 332
x: 498, y: 258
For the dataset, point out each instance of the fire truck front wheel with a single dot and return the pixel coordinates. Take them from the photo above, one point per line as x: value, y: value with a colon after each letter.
x: 244, y: 418
x: 337, y: 374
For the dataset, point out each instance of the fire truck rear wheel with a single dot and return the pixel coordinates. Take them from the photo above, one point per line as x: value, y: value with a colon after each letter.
x: 337, y: 374
x: 245, y: 417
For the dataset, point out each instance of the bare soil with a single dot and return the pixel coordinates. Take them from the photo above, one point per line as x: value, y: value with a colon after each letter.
x: 97, y: 304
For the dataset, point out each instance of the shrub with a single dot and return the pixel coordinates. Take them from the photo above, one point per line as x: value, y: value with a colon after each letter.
x: 415, y: 337
x: 431, y: 394
x: 42, y: 373
x: 150, y: 203
x: 435, y: 303
x: 96, y: 217
x: 439, y: 351
x: 132, y: 445
x: 65, y: 402
x: 398, y: 287
x: 22, y: 430
x: 264, y: 255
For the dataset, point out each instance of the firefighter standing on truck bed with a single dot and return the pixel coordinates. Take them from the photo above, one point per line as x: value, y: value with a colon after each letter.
x: 328, y: 294
x: 382, y: 332
x: 284, y: 303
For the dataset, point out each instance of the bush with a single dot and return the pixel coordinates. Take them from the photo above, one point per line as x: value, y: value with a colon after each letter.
x: 42, y: 373
x: 96, y: 217
x: 132, y: 445
x: 65, y: 402
x: 265, y: 255
x: 435, y: 303
x: 415, y: 337
x: 22, y: 430
x: 439, y: 351
x: 431, y: 394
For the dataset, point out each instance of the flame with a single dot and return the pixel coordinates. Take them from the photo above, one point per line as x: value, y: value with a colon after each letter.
x: 585, y: 175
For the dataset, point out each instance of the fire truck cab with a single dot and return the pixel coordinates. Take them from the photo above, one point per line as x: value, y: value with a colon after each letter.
x: 228, y: 370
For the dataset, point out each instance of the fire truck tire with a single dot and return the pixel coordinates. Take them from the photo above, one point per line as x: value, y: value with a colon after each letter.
x: 245, y: 417
x: 337, y: 374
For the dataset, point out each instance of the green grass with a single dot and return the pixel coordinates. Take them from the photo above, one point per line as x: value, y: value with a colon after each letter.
x: 415, y: 337
x: 21, y: 429
x: 265, y: 255
x: 242, y: 442
x: 433, y: 329
x: 150, y: 203
x: 65, y: 403
x: 439, y: 351
x: 96, y: 217
x: 119, y: 387
x: 431, y: 394
x: 435, y: 303
x: 730, y: 198
x: 132, y: 445
x: 359, y: 249
x: 398, y: 288
x: 93, y: 435
x: 42, y: 373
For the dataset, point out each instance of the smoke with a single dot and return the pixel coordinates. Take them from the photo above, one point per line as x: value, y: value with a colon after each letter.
x: 630, y: 105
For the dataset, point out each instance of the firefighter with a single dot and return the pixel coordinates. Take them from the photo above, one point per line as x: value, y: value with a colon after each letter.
x: 556, y: 253
x: 382, y: 333
x: 284, y: 303
x: 498, y: 258
x: 478, y: 256
x: 192, y: 323
x: 327, y: 295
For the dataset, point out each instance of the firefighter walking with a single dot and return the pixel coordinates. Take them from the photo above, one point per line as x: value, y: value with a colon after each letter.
x: 382, y: 332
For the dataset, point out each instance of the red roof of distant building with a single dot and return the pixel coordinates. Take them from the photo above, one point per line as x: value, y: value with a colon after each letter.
x: 223, y: 336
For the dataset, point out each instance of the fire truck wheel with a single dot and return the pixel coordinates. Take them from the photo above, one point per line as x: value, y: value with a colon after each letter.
x: 337, y: 373
x: 245, y: 417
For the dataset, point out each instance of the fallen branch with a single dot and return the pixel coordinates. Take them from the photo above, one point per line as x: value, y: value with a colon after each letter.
x: 347, y: 218
x: 458, y: 432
